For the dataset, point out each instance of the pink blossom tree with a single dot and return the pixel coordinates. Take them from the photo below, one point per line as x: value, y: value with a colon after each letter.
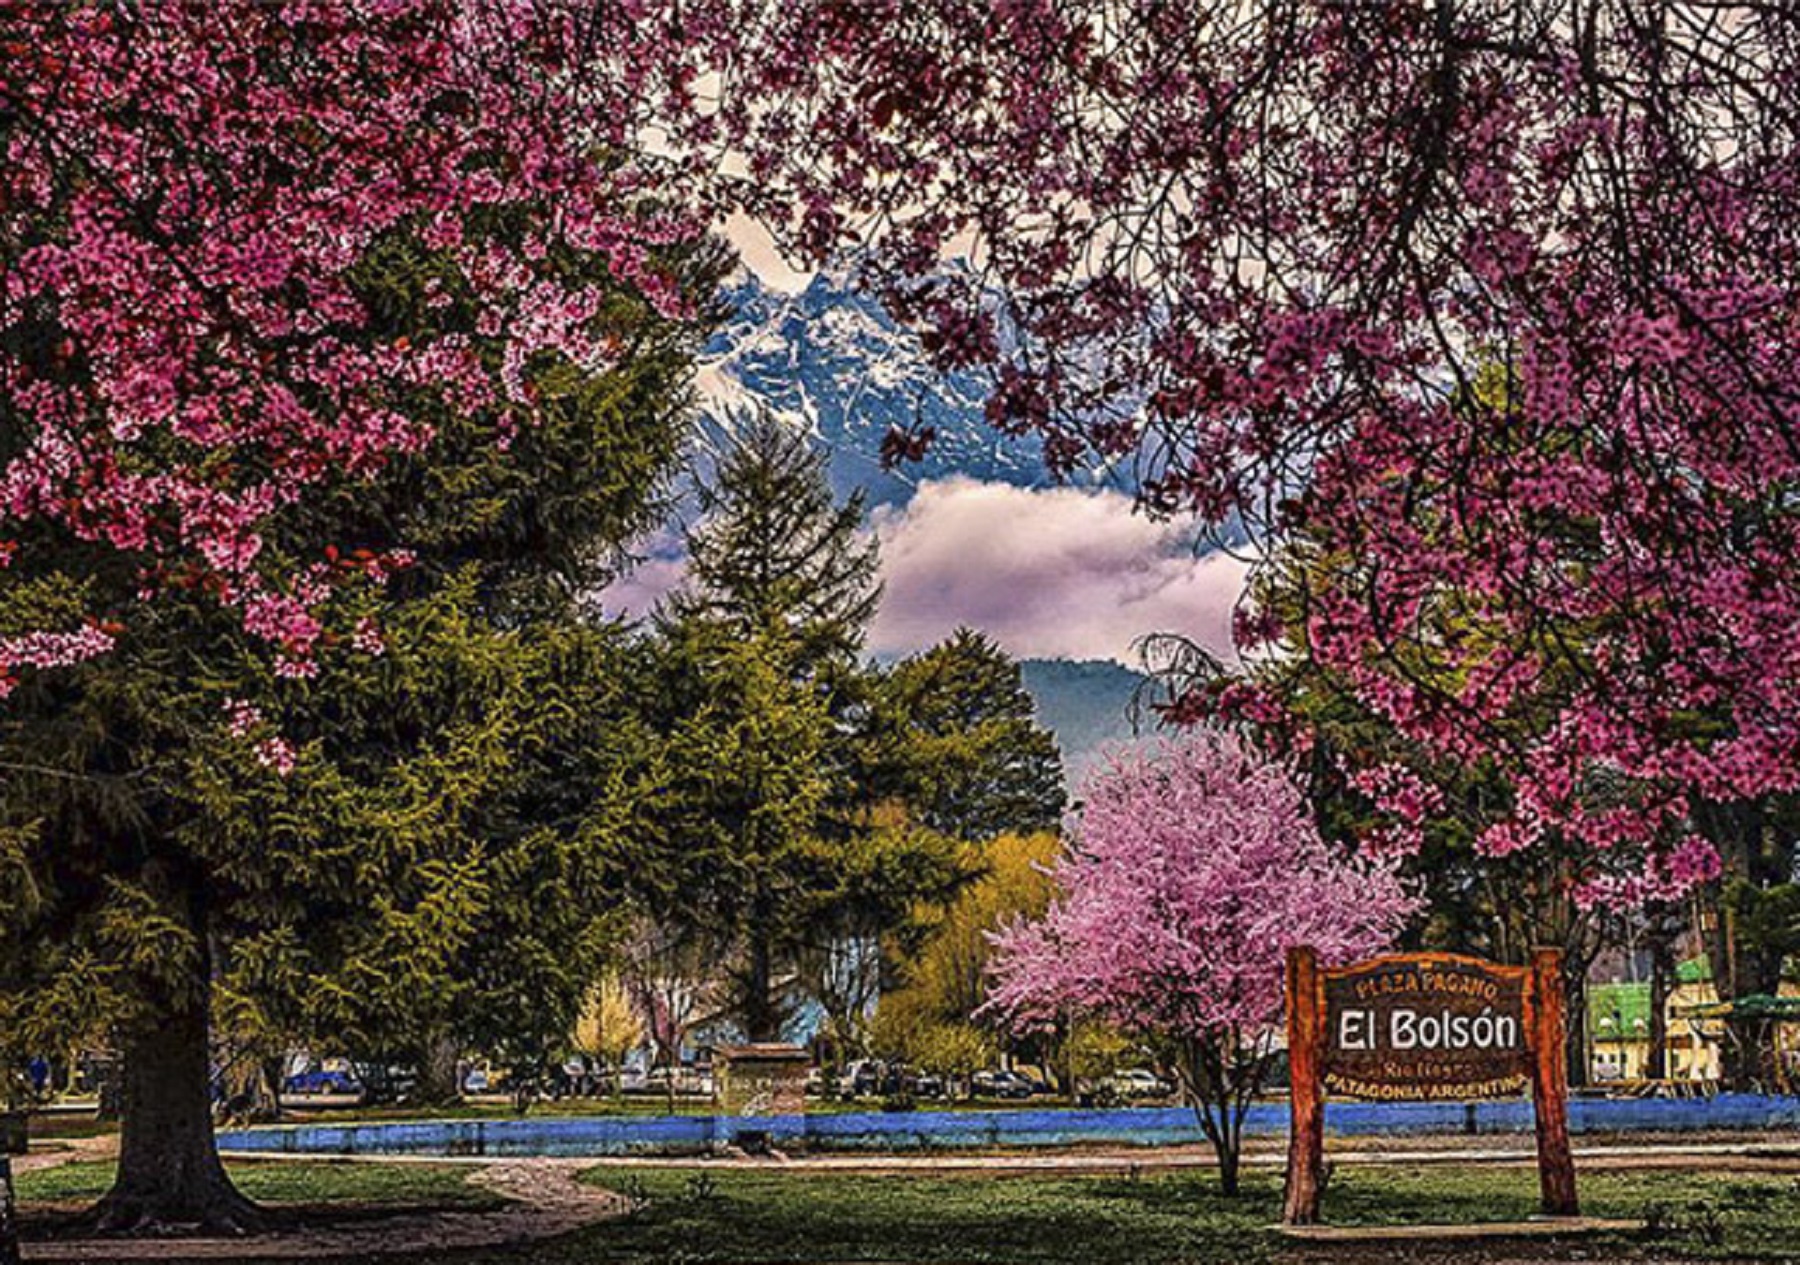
x: 1266, y: 249
x: 1193, y: 867
x: 189, y: 195
x: 310, y: 315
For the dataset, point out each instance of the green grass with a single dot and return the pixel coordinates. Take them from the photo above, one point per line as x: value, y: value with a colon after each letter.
x: 754, y: 1217
x: 750, y: 1217
x: 288, y: 1182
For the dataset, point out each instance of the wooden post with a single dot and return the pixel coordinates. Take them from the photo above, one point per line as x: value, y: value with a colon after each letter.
x: 1306, y: 1103
x: 1550, y: 1084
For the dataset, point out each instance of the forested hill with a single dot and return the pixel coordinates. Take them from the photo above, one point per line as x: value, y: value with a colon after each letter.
x: 1085, y: 704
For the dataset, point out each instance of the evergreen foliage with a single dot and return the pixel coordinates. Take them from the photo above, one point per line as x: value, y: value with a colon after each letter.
x: 415, y: 837
x: 954, y: 734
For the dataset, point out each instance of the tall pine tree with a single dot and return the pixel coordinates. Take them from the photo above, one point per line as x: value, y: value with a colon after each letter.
x: 371, y: 843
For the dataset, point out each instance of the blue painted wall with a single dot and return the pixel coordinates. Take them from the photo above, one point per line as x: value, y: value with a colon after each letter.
x: 926, y: 1130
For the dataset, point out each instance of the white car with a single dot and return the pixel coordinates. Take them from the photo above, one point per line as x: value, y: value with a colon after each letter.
x: 1138, y: 1083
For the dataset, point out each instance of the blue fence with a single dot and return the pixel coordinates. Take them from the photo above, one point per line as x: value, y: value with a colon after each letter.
x: 951, y: 1130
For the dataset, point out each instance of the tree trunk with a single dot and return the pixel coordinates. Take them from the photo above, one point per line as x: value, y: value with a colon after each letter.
x: 169, y: 1170
x: 272, y: 1069
x: 762, y: 1017
x: 1662, y: 932
x: 438, y: 1084
x: 1575, y: 1040
x: 1230, y: 1149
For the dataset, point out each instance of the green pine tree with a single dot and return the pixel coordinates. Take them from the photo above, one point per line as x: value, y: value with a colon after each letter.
x: 953, y: 733
x: 439, y: 861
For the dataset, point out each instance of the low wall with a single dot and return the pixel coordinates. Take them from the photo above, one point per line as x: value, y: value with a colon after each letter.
x: 926, y: 1130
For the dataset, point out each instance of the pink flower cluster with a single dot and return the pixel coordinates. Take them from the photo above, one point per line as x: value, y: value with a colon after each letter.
x: 1192, y: 867
x: 186, y: 193
x: 49, y: 650
x: 1502, y: 325
x: 243, y: 721
x: 277, y: 755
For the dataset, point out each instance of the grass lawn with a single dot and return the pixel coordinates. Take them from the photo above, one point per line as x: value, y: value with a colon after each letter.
x: 288, y: 1182
x: 756, y: 1217
x: 750, y: 1217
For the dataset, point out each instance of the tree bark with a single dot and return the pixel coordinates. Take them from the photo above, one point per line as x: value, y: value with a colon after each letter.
x: 762, y: 1017
x: 1575, y: 1033
x: 1662, y: 930
x: 438, y: 1084
x: 169, y: 1170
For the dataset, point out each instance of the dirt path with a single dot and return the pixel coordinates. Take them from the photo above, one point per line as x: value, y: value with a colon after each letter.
x: 1748, y: 1156
x: 547, y: 1201
x: 60, y: 1151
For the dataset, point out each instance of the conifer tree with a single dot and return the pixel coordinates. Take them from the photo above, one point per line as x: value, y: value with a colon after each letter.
x: 414, y: 830
x: 774, y: 551
x: 953, y: 732
x: 763, y: 700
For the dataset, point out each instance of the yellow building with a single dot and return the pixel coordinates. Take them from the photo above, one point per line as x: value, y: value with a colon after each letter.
x: 1619, y: 1029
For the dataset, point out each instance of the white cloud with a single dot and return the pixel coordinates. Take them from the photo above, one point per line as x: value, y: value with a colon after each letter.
x: 758, y: 252
x: 637, y: 592
x: 1047, y: 573
x: 1058, y: 572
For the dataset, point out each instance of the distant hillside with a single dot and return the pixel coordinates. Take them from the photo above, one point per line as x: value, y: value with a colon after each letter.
x: 1084, y: 704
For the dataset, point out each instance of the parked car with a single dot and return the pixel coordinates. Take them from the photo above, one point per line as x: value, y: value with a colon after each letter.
x: 688, y: 1080
x: 925, y: 1085
x: 1002, y: 1083
x: 869, y: 1077
x: 1139, y: 1083
x: 320, y: 1081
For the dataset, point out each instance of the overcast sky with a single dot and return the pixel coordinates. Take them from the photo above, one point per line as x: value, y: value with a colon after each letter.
x: 1047, y: 573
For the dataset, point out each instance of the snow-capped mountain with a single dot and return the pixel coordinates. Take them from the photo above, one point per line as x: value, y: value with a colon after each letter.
x: 831, y: 361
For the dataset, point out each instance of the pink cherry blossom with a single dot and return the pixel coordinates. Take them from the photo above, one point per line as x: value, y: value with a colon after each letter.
x: 1190, y: 870
x: 186, y: 194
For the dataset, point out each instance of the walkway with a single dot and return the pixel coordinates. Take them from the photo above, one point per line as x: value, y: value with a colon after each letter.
x: 547, y: 1200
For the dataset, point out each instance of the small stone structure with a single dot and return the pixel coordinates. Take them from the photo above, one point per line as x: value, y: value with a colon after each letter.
x: 764, y: 1079
x: 757, y: 1081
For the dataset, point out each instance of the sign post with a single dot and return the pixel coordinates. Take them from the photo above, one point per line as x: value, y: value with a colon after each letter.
x: 1550, y: 1085
x: 1430, y: 1027
x: 1306, y: 1114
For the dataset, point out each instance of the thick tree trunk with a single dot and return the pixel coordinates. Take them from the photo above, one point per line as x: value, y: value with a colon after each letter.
x: 169, y: 1170
x: 438, y: 1084
x: 762, y: 1016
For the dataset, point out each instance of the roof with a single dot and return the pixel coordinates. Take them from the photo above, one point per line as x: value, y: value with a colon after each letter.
x: 1618, y: 1011
x: 1694, y: 971
x: 1750, y: 1006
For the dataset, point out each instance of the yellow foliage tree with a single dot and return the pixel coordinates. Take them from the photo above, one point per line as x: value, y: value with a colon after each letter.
x: 609, y: 1027
x: 946, y: 983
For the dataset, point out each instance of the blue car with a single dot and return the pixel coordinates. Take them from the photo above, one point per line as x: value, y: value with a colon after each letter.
x: 319, y: 1081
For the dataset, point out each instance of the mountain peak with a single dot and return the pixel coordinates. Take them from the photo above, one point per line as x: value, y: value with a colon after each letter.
x: 830, y: 361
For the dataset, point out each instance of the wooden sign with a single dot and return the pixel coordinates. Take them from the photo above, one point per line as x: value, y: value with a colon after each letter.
x: 1429, y: 1026
x: 762, y: 1080
x: 1425, y: 1027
